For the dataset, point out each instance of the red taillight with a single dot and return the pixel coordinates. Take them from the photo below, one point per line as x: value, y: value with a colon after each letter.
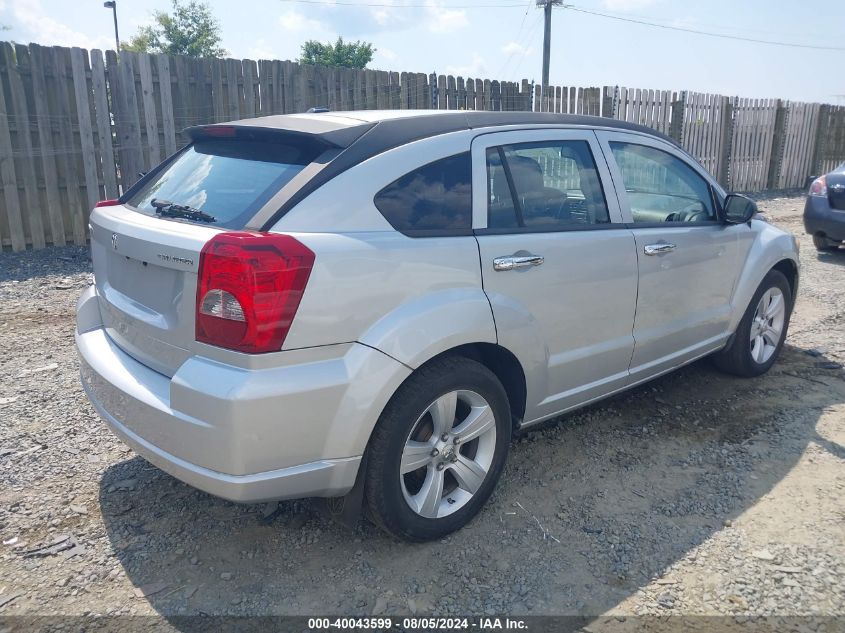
x: 819, y: 187
x: 249, y: 288
x: 107, y: 203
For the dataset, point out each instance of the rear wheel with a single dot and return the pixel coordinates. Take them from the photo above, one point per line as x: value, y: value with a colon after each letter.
x: 438, y: 449
x: 762, y: 330
x: 823, y: 243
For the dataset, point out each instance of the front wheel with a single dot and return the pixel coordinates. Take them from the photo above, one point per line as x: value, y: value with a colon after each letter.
x: 762, y: 330
x: 438, y: 449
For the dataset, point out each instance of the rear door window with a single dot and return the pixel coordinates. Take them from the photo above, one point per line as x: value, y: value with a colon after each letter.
x: 435, y: 199
x: 545, y: 186
x: 228, y: 179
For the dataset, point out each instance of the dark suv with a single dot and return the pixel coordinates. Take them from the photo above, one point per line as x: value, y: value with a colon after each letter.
x: 824, y: 212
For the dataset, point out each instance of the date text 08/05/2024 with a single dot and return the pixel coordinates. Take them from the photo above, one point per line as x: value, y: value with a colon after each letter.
x: 418, y: 624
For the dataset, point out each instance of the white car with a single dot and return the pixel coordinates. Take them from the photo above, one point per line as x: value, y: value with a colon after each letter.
x: 367, y: 304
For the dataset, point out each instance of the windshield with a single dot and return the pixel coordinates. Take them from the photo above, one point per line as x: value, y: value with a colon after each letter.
x: 227, y: 179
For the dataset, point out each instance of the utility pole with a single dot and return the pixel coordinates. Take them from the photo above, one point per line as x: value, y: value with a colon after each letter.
x: 547, y: 42
x: 112, y: 4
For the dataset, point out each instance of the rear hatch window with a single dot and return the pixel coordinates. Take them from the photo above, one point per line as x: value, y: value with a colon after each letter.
x: 229, y: 180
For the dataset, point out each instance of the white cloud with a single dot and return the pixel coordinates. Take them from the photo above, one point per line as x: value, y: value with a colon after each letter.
x: 382, y: 16
x: 385, y: 57
x: 36, y: 25
x: 627, y: 5
x: 260, y: 49
x: 295, y: 21
x: 445, y: 20
x: 475, y: 68
x: 306, y: 28
x: 513, y: 48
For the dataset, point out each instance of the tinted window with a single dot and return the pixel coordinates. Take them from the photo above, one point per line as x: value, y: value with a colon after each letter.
x: 435, y: 197
x: 661, y: 187
x: 228, y: 179
x: 544, y: 186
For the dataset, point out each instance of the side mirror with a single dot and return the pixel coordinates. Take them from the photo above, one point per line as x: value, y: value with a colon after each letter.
x: 739, y: 209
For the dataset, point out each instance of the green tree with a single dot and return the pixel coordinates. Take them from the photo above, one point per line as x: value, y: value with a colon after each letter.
x: 190, y: 30
x: 347, y: 54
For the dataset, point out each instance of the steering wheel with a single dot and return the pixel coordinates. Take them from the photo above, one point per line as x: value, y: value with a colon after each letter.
x: 690, y: 213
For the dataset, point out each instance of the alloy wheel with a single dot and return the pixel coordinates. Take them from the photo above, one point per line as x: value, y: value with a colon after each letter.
x: 448, y: 454
x: 767, y: 325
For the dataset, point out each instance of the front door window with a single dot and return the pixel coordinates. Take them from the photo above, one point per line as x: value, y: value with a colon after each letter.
x: 661, y: 187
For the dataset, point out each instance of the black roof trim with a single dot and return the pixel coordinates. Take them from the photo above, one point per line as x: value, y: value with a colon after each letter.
x: 488, y: 119
x: 389, y: 133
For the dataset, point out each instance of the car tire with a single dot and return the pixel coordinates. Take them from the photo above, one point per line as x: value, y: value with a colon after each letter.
x: 421, y: 484
x: 753, y: 349
x: 822, y: 243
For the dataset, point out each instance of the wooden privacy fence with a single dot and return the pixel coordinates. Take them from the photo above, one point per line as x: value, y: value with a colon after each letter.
x: 79, y: 126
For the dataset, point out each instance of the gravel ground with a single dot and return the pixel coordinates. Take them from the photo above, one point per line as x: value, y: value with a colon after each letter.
x: 696, y: 494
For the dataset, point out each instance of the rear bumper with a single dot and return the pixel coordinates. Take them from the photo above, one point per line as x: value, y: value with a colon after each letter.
x: 289, y: 431
x: 324, y: 478
x: 820, y: 218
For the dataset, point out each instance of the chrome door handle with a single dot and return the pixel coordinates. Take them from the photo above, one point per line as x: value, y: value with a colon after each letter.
x: 657, y: 249
x: 517, y: 261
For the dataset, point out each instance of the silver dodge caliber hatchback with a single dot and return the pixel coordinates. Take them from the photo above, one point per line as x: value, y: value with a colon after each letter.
x: 367, y: 304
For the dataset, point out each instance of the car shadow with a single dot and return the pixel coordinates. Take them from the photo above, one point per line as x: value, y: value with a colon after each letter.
x: 836, y: 257
x: 592, y: 507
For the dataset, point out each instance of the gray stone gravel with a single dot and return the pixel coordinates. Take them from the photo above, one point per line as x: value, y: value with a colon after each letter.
x: 696, y: 494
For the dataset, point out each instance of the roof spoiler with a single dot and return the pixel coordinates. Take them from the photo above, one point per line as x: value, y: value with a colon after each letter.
x: 297, y: 130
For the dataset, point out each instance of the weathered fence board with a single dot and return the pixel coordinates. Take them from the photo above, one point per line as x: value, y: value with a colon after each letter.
x: 71, y: 151
x: 165, y: 91
x: 77, y: 126
x: 25, y: 166
x: 831, y: 139
x: 754, y: 129
x: 46, y: 150
x: 104, y: 127
x: 82, y: 94
x: 8, y: 178
x: 802, y: 119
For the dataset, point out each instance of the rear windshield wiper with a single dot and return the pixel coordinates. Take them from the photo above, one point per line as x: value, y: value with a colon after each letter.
x: 167, y: 209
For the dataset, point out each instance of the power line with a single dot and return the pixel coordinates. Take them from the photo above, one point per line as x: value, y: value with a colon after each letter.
x: 531, y: 35
x: 631, y: 20
x: 405, y: 6
x: 698, y: 32
x: 516, y: 39
x: 730, y: 29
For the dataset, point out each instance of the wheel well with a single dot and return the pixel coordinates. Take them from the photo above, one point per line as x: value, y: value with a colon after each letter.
x: 790, y: 271
x: 506, y: 367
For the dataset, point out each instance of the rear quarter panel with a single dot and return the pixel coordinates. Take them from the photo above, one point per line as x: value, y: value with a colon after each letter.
x: 411, y: 298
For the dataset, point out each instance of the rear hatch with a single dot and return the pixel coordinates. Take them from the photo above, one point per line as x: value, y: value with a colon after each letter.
x: 146, y: 265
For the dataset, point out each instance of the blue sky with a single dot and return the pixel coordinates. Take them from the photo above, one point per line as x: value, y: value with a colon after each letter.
x: 505, y: 41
